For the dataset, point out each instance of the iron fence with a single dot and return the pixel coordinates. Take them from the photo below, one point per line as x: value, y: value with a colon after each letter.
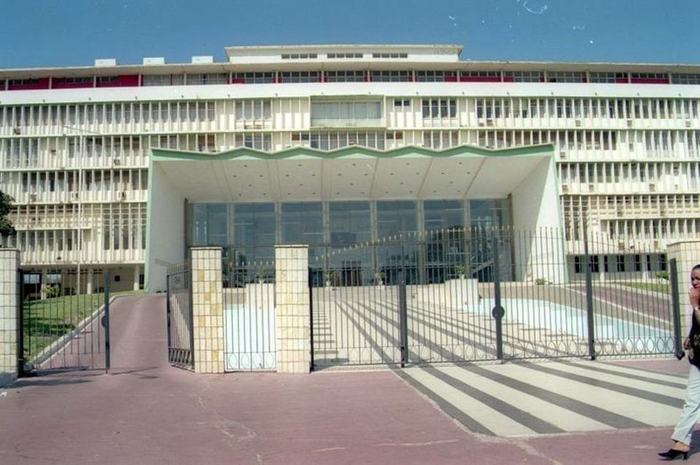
x: 63, y: 322
x: 487, y: 293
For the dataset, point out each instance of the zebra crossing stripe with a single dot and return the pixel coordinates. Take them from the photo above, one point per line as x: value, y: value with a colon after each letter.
x: 487, y: 416
x: 524, y: 400
x: 562, y: 418
x: 625, y: 388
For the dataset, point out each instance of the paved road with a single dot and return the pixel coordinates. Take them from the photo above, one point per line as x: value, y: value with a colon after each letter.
x: 149, y: 413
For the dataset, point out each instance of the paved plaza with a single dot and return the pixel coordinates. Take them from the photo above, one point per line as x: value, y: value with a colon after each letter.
x: 565, y: 412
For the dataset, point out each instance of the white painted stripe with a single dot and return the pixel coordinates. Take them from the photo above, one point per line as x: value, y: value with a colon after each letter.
x: 634, y: 371
x: 551, y: 413
x: 621, y: 379
x: 648, y: 412
x: 495, y: 421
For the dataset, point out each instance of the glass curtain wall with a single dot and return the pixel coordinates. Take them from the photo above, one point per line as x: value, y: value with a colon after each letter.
x: 421, y: 237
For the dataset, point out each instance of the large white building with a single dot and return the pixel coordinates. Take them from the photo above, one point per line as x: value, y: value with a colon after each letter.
x: 617, y: 147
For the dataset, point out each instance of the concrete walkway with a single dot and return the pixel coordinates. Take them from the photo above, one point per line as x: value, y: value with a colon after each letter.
x: 146, y: 412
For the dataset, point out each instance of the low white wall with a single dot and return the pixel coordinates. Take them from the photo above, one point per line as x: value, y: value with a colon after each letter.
x: 165, y: 229
x: 539, y: 243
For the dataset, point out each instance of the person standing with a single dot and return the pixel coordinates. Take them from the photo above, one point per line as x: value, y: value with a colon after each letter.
x: 691, y: 409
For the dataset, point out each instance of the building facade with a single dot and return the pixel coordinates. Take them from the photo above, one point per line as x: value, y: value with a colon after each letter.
x: 77, y: 152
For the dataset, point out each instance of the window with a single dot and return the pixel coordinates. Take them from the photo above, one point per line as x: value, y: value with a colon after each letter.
x: 440, y: 140
x: 566, y: 76
x: 254, y: 78
x: 385, y: 55
x: 439, y: 108
x: 332, y: 140
x: 523, y: 76
x: 345, y: 76
x: 163, y: 79
x: 323, y: 112
x: 252, y: 110
x: 299, y: 56
x: 685, y: 79
x: 391, y: 76
x: 649, y: 78
x: 207, y: 79
x: 402, y: 103
x: 480, y: 76
x: 257, y: 141
x: 300, y: 76
x: 603, y: 77
x: 343, y: 56
x: 436, y: 76
x: 620, y: 260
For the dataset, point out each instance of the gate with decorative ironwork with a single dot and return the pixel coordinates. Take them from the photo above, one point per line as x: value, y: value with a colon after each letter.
x: 249, y: 312
x: 179, y: 317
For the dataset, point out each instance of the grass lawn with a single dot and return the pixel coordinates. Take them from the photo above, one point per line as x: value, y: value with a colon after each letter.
x: 654, y: 287
x: 47, y: 320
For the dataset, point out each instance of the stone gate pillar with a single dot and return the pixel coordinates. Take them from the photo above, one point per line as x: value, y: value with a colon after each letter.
x: 687, y: 255
x: 292, y: 309
x: 9, y: 315
x: 207, y: 310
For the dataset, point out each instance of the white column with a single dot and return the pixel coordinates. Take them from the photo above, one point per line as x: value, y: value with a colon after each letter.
x: 137, y: 271
x: 43, y: 283
x: 90, y: 280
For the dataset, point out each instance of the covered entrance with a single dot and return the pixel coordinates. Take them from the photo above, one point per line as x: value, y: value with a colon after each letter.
x: 367, y: 216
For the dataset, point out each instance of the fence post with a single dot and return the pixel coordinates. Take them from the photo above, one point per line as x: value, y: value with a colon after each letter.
x: 403, y: 317
x: 676, y: 309
x: 498, y: 312
x: 589, y: 300
x: 105, y: 321
x: 311, y: 319
x: 167, y: 313
x: 20, y: 324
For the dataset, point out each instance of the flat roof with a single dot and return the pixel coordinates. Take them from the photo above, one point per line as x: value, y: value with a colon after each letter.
x: 418, y: 51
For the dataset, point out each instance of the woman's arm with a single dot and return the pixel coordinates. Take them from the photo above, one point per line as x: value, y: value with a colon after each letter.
x: 694, y: 297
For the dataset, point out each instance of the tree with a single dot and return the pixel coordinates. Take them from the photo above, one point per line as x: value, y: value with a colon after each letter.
x: 6, y: 228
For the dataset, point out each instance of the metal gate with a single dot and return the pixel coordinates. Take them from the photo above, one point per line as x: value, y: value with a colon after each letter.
x: 63, y: 324
x: 470, y: 294
x: 249, y: 312
x: 179, y: 317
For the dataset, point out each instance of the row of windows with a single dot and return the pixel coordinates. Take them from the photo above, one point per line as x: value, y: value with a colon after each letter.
x: 116, y: 235
x: 628, y: 172
x: 79, y: 114
x: 18, y: 117
x: 653, y: 228
x: 587, y: 108
x: 27, y: 152
x: 126, y: 150
x: 633, y: 204
x: 369, y: 76
x: 92, y: 180
x: 621, y: 263
x: 578, y: 213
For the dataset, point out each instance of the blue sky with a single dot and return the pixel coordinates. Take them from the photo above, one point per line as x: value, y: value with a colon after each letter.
x: 75, y: 32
